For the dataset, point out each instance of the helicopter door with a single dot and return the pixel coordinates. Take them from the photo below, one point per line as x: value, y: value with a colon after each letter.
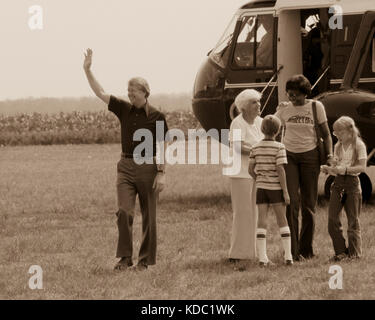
x: 367, y: 79
x: 342, y: 44
x: 253, y: 56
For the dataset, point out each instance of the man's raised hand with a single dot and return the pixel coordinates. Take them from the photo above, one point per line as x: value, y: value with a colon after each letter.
x: 88, y: 59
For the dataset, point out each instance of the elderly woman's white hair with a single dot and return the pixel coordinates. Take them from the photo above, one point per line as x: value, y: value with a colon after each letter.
x: 242, y: 100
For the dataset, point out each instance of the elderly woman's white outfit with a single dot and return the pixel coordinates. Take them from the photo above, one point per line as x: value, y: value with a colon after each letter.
x: 243, y: 192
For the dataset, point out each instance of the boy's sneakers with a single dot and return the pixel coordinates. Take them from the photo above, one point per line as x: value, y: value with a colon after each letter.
x: 141, y: 266
x: 288, y: 262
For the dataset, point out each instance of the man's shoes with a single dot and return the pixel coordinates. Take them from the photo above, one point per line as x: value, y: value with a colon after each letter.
x: 124, y: 263
x: 141, y: 266
x: 344, y: 256
x: 354, y: 257
x: 232, y: 260
x: 339, y: 257
x: 307, y: 256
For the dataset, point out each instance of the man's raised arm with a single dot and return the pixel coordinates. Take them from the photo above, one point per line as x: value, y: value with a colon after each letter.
x: 94, y: 84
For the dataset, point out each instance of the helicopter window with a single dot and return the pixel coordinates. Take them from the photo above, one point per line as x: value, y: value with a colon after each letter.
x: 244, y: 52
x: 264, y: 51
x: 221, y: 52
x: 254, y: 46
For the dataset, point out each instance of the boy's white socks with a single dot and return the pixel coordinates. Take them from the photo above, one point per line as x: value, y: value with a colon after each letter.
x: 261, y: 245
x: 285, y: 238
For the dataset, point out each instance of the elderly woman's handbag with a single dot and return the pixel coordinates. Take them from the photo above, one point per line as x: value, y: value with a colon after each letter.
x: 320, y: 140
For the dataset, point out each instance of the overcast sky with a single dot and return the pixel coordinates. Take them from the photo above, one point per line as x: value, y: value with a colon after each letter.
x: 164, y: 41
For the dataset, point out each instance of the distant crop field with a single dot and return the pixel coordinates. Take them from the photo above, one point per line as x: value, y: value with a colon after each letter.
x: 164, y: 102
x: 57, y: 210
x: 76, y: 127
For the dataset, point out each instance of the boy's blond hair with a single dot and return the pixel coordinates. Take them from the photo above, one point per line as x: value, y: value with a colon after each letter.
x: 270, y: 125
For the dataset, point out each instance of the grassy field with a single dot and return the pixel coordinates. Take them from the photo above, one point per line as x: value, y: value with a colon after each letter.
x: 57, y: 210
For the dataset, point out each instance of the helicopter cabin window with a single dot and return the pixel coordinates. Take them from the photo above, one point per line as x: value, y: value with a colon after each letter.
x: 254, y: 46
x: 221, y: 52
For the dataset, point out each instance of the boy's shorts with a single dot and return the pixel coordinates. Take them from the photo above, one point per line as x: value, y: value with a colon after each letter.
x: 265, y: 196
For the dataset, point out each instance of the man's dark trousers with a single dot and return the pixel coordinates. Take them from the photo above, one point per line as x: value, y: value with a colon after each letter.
x: 133, y: 179
x: 302, y: 174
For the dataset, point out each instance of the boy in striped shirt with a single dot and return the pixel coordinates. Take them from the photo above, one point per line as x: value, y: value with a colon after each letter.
x: 266, y: 166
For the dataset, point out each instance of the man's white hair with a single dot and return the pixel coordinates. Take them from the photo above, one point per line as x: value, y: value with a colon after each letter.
x: 141, y: 83
x: 243, y: 98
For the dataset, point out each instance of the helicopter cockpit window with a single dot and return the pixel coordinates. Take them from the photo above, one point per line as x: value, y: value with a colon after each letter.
x: 254, y: 46
x: 264, y: 51
x: 244, y: 52
x: 221, y: 52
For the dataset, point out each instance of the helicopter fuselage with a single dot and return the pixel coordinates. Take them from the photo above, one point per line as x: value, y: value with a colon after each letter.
x: 322, y: 55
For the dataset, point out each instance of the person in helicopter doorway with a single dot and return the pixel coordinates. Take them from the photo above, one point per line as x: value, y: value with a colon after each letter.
x: 313, y: 57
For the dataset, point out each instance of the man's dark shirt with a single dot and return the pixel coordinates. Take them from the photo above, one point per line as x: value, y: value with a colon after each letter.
x: 132, y: 119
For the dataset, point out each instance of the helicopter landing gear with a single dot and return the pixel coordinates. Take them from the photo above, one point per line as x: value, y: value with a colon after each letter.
x: 366, y: 186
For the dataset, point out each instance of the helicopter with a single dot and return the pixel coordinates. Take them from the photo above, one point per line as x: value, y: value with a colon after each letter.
x: 331, y: 42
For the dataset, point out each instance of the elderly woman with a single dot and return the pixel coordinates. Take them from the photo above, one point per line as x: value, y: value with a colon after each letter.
x: 243, y: 242
x: 302, y: 170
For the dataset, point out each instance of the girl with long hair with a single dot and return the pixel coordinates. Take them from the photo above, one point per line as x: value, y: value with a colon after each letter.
x: 350, y: 159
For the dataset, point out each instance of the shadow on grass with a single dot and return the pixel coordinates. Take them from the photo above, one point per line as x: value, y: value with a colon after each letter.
x: 223, y: 200
x: 371, y: 201
x: 198, y: 201
x: 220, y: 265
